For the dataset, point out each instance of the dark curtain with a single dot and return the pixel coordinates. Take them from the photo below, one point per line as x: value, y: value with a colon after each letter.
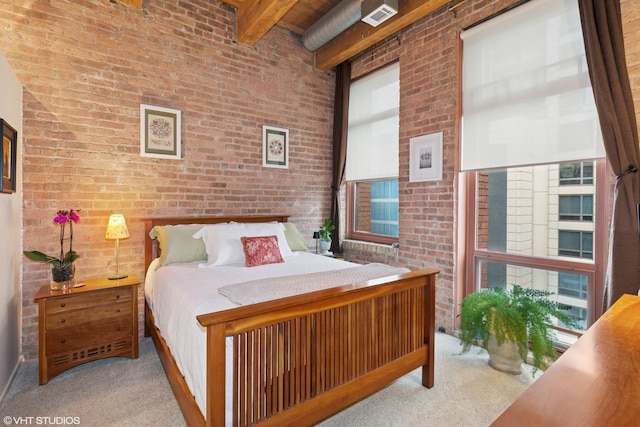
x: 602, y: 30
x: 340, y: 125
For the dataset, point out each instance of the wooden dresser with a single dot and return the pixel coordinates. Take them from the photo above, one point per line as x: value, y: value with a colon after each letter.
x: 594, y: 383
x: 94, y: 321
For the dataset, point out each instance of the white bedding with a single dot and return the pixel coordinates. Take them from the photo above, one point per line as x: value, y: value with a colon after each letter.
x: 177, y: 293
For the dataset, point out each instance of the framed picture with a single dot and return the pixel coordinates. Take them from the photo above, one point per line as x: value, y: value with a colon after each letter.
x: 426, y: 158
x: 160, y: 132
x: 275, y: 147
x: 8, y: 151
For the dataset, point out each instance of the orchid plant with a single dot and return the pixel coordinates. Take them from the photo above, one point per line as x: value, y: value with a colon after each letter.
x: 62, y: 218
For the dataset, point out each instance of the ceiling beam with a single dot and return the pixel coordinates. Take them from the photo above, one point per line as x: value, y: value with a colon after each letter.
x: 256, y: 17
x: 135, y: 3
x: 361, y: 36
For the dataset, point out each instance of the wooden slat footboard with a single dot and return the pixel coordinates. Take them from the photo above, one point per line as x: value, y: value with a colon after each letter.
x: 303, y: 358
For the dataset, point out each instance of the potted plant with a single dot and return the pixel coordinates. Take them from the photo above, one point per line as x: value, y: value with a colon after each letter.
x: 510, y: 323
x: 325, y: 234
x: 62, y: 267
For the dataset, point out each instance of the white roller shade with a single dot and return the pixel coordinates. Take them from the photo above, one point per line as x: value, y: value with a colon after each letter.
x: 372, y: 139
x: 527, y: 97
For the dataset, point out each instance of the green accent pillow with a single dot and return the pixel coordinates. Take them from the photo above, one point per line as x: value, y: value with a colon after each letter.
x: 294, y: 238
x: 178, y: 245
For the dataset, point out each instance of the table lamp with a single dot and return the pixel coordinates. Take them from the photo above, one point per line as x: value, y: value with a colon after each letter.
x: 116, y: 230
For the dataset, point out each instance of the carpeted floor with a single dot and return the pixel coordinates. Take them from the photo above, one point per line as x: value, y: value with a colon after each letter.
x: 125, y: 392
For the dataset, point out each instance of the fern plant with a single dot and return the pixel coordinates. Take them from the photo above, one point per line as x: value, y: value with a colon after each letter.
x: 521, y: 315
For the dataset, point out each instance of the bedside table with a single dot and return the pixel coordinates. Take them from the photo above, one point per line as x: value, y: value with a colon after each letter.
x: 86, y: 323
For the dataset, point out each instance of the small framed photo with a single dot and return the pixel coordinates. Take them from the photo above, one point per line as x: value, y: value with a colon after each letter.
x: 160, y: 131
x: 275, y: 147
x: 426, y: 158
x: 8, y: 151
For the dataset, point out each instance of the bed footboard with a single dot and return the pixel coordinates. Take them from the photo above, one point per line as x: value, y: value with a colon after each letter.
x: 302, y: 359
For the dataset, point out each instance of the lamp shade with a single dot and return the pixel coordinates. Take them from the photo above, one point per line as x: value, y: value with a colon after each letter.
x: 117, y: 228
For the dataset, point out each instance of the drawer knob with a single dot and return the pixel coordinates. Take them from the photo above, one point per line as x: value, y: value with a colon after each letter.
x: 63, y: 305
x: 117, y: 296
x: 63, y: 320
x: 118, y: 311
x: 63, y: 340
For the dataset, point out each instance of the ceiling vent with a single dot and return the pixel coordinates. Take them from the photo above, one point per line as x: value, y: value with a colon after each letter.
x: 375, y: 12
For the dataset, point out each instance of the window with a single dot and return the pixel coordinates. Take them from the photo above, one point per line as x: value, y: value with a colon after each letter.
x: 533, y: 157
x: 372, y: 157
x: 578, y: 244
x: 376, y: 207
x: 575, y: 208
x: 572, y: 285
x: 384, y: 207
x: 576, y: 173
x: 580, y: 313
x: 518, y: 239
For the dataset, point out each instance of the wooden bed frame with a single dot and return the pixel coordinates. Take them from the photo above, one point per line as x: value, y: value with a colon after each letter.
x: 308, y: 356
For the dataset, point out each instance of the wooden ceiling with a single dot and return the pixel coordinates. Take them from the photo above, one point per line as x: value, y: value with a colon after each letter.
x: 256, y: 17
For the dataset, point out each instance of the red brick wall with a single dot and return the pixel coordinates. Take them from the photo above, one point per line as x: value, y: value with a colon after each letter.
x: 363, y: 207
x: 87, y: 65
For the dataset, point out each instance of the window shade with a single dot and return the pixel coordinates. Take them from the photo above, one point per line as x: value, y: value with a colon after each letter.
x: 527, y: 97
x: 372, y: 138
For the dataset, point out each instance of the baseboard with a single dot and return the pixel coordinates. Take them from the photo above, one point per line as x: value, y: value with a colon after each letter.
x: 11, y: 378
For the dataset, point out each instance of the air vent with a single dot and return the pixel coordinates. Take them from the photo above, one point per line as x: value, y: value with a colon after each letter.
x: 375, y: 12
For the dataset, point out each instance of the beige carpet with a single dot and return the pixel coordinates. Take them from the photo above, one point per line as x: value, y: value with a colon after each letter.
x: 125, y: 392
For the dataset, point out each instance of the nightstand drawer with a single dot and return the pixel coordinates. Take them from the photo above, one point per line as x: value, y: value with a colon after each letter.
x: 67, y: 319
x: 68, y: 339
x: 88, y: 300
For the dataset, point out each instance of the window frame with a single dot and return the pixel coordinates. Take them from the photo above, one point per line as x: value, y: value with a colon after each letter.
x: 581, y: 179
x: 350, y: 187
x: 353, y: 234
x: 594, y: 268
x: 574, y: 217
x: 581, y: 251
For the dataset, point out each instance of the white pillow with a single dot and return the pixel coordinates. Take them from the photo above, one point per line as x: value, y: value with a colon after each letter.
x: 223, y: 245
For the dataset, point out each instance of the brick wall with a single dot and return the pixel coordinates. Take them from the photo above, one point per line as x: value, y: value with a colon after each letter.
x: 87, y: 65
x: 363, y: 207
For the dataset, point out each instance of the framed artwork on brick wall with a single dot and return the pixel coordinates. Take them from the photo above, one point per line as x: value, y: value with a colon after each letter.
x: 8, y: 152
x: 160, y: 130
x: 426, y: 158
x: 275, y: 147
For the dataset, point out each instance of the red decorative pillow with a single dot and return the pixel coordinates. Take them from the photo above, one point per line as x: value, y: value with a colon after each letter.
x: 261, y: 250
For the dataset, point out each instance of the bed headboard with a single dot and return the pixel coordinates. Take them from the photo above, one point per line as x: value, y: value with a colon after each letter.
x: 151, y: 250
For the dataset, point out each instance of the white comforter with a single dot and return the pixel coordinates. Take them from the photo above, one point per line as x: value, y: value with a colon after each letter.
x: 178, y: 293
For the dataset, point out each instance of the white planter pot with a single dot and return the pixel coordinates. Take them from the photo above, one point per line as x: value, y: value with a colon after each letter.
x: 324, y: 246
x: 504, y: 358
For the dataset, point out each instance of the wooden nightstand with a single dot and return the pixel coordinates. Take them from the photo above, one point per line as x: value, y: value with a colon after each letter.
x: 94, y: 321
